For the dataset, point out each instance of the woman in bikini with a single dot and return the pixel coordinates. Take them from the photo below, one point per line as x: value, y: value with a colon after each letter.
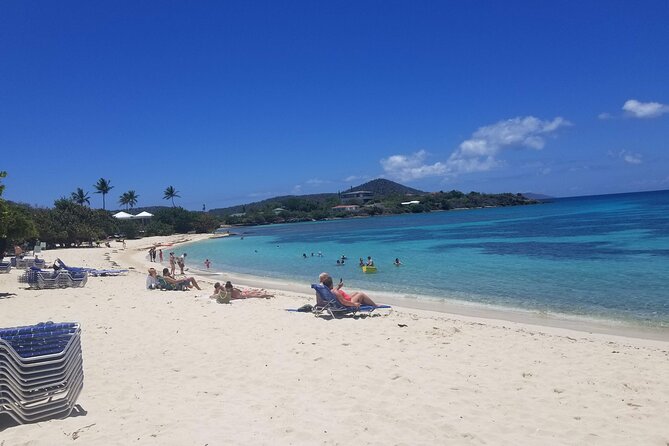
x: 356, y: 299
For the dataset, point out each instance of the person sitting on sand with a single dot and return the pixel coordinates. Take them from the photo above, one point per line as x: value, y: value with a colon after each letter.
x: 349, y: 300
x: 188, y: 281
x: 236, y: 293
x: 152, y: 279
x: 221, y: 296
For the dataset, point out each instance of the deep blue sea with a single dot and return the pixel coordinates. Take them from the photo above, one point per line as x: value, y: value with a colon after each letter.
x: 599, y: 257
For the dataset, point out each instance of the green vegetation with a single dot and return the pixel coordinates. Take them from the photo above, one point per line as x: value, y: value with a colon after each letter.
x: 171, y: 193
x: 80, y: 197
x: 103, y: 187
x: 293, y: 209
x: 128, y: 199
x: 71, y: 222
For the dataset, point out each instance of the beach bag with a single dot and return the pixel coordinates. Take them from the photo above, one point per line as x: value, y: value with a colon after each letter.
x: 307, y: 308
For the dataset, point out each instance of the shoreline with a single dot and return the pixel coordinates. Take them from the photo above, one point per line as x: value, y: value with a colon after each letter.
x: 412, y: 376
x: 453, y: 307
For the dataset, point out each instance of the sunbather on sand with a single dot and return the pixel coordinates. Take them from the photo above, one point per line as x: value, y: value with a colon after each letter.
x: 188, y: 281
x: 220, y: 295
x: 349, y: 300
x: 236, y: 293
x: 152, y: 279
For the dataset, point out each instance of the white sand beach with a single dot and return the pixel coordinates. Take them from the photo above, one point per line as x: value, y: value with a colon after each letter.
x: 175, y: 368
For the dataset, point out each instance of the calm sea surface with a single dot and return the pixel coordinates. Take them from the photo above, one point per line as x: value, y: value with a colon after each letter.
x: 601, y: 257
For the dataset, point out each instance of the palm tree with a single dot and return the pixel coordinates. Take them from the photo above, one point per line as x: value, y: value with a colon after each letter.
x: 80, y: 197
x: 103, y: 187
x: 123, y: 200
x: 128, y: 199
x: 170, y: 193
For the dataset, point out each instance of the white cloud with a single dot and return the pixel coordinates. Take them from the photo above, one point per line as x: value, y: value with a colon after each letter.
x: 316, y: 181
x: 297, y: 189
x: 645, y: 109
x: 604, y: 116
x: 353, y: 178
x: 478, y: 153
x: 411, y: 167
x: 627, y: 156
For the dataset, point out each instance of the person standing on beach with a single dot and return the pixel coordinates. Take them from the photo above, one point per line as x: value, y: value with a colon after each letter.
x: 160, y: 255
x: 181, y: 261
x: 173, y: 263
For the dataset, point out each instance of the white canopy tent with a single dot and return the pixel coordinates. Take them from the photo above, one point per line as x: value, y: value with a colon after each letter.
x: 123, y: 215
x: 144, y: 214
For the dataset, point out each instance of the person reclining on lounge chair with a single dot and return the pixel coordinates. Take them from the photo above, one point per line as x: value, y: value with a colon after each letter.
x: 348, y: 300
x: 188, y: 281
x: 355, y: 299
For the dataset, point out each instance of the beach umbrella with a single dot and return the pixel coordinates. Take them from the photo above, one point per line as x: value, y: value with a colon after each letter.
x: 123, y: 216
x: 143, y: 214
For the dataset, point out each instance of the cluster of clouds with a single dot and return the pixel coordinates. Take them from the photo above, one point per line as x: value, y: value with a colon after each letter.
x: 627, y: 156
x: 482, y: 151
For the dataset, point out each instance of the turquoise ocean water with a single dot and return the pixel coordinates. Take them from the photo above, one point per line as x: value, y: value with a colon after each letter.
x: 602, y: 257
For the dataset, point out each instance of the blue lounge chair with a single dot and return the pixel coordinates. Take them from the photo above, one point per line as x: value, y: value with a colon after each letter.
x: 91, y: 271
x: 41, y: 373
x: 327, y: 302
x: 40, y: 279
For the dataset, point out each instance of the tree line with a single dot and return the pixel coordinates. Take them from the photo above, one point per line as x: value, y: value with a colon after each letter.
x: 71, y: 221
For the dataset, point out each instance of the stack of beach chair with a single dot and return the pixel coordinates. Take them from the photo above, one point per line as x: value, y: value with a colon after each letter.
x: 41, y: 371
x: 5, y: 267
x: 27, y: 262
x: 41, y: 279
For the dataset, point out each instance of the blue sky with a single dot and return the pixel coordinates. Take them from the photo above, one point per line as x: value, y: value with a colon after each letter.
x: 233, y: 102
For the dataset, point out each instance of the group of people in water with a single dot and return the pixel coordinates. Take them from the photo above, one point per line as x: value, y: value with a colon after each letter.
x: 342, y: 260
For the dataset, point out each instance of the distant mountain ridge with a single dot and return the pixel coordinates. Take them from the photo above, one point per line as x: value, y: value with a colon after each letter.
x: 380, y: 188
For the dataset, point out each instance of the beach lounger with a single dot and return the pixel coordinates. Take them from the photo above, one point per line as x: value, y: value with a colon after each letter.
x: 41, y: 371
x: 46, y: 279
x: 95, y: 272
x: 5, y: 267
x: 327, y: 303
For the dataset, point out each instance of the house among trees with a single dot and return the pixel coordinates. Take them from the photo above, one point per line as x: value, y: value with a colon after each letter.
x: 362, y: 195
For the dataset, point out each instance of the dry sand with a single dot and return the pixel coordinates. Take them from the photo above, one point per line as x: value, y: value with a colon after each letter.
x: 174, y: 368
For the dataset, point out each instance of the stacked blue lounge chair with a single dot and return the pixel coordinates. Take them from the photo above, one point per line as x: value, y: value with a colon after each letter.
x: 329, y: 304
x: 5, y: 267
x: 41, y: 279
x: 27, y: 262
x: 41, y: 371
